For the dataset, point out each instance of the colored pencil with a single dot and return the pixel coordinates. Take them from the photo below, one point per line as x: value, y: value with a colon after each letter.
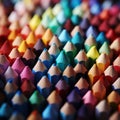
x: 59, y: 59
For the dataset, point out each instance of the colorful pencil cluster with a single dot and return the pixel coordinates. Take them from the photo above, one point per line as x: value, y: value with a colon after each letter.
x: 60, y: 60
